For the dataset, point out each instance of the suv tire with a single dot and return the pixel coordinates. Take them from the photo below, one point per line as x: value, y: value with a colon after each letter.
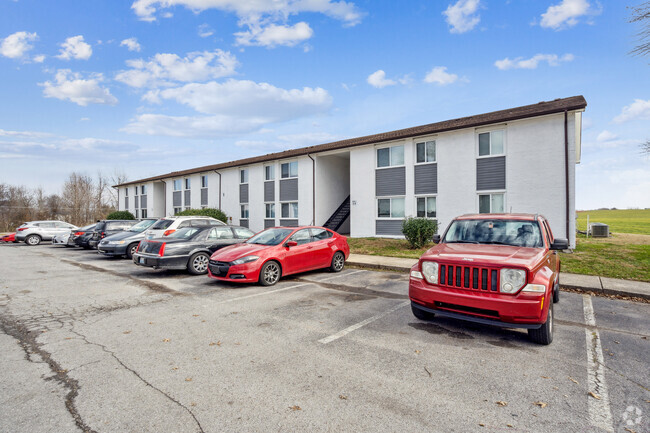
x: 33, y: 240
x: 556, y: 291
x: 544, y: 334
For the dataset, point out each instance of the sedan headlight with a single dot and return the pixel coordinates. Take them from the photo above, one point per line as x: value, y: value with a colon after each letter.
x: 246, y: 259
x: 430, y: 272
x: 512, y: 280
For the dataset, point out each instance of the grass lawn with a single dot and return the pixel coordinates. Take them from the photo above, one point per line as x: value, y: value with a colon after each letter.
x: 619, y: 221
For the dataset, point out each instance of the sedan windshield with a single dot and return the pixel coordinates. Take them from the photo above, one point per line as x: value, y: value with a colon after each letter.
x: 502, y: 232
x: 185, y: 233
x: 270, y: 237
x: 142, y: 226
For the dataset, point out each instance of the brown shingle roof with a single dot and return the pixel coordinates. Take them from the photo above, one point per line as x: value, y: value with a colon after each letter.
x: 539, y: 109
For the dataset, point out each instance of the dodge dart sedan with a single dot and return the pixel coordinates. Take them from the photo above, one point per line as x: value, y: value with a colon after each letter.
x: 280, y: 251
x: 188, y: 248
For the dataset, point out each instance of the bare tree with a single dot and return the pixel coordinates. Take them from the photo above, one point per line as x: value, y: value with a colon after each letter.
x: 79, y: 198
x: 645, y: 147
x: 16, y: 206
x: 641, y: 14
x: 117, y: 178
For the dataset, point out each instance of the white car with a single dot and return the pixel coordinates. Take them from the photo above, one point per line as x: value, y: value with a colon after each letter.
x: 168, y: 225
x: 33, y: 232
x: 61, y: 239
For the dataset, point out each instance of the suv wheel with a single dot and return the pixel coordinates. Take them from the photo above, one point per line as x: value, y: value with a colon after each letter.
x: 198, y: 264
x: 544, y: 334
x: 556, y: 291
x: 33, y: 240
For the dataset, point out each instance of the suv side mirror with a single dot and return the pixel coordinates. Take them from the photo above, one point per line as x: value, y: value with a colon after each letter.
x: 560, y: 244
x: 291, y: 244
x: 436, y: 239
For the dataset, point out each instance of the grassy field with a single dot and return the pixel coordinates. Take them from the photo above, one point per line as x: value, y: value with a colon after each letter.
x: 619, y: 221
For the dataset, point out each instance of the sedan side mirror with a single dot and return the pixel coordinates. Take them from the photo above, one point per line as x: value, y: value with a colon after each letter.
x: 560, y: 244
x: 436, y: 239
x: 291, y: 244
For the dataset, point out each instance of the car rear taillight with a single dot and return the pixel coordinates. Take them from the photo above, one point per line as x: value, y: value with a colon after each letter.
x: 168, y: 232
x: 21, y: 229
x: 103, y: 235
x: 78, y: 233
x: 161, y: 251
x: 138, y: 248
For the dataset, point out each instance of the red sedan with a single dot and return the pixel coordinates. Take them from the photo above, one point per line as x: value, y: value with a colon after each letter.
x: 280, y: 251
x: 11, y: 237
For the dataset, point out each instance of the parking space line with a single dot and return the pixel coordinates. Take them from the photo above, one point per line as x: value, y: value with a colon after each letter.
x: 600, y: 413
x: 260, y: 294
x: 339, y: 275
x: 361, y: 324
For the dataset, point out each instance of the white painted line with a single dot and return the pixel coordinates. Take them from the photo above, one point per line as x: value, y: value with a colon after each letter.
x: 361, y: 324
x: 600, y: 413
x: 260, y: 294
x: 338, y: 275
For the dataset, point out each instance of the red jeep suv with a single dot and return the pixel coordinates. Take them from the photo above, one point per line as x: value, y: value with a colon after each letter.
x: 494, y: 269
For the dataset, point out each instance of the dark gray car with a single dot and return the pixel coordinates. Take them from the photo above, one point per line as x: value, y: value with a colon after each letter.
x: 124, y: 243
x: 106, y: 228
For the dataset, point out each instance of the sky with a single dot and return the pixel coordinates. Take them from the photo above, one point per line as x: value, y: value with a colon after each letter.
x: 146, y: 87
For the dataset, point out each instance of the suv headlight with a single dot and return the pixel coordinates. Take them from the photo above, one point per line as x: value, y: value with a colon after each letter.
x: 512, y: 280
x: 430, y: 272
x: 246, y: 259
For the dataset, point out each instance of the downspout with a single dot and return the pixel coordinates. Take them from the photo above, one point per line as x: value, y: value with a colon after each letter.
x: 313, y: 190
x: 566, y: 170
x: 219, y: 188
x: 165, y: 196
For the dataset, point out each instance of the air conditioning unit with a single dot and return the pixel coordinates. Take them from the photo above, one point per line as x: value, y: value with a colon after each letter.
x: 599, y: 230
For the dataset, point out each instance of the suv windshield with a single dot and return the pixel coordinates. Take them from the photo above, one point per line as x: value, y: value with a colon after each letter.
x: 270, y: 237
x: 504, y: 232
x: 185, y: 233
x: 142, y: 226
x: 161, y: 224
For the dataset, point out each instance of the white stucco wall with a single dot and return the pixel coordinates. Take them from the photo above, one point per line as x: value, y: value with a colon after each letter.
x: 332, y: 186
x: 362, y: 192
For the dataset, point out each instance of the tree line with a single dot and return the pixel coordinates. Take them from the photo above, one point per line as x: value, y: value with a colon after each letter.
x: 82, y: 200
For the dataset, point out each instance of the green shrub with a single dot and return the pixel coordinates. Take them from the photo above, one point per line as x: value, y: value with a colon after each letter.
x: 419, y: 231
x: 210, y: 212
x: 120, y: 215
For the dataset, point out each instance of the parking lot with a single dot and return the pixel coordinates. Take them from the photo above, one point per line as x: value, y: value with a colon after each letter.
x: 97, y: 344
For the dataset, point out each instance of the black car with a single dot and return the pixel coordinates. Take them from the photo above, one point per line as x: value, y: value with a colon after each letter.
x: 81, y: 237
x: 109, y: 227
x: 125, y: 243
x: 188, y: 248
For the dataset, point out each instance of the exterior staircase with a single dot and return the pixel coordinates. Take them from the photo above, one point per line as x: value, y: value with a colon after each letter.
x: 339, y: 216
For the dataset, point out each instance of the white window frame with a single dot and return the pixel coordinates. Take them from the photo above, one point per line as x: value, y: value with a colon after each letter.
x: 204, y: 177
x: 177, y: 210
x: 390, y: 156
x: 137, y: 213
x: 187, y: 184
x: 391, y: 217
x: 244, y: 212
x: 180, y: 185
x: 266, y: 211
x: 478, y: 145
x: 435, y: 151
x: 126, y: 191
x: 272, y: 170
x: 289, y: 173
x: 491, y: 193
x: 143, y: 213
x: 289, y: 203
x: 426, y: 197
x: 143, y: 189
x: 243, y: 172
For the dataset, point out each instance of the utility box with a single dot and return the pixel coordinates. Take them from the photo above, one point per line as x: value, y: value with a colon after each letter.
x: 599, y: 230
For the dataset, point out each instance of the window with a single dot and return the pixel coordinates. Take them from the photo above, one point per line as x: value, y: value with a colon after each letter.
x: 301, y: 237
x: 126, y: 192
x: 320, y: 234
x: 269, y: 172
x: 426, y: 207
x: 177, y: 209
x: 270, y: 210
x: 244, y: 211
x: 491, y: 203
x: 290, y: 210
x: 425, y: 151
x: 243, y: 175
x: 220, y: 233
x: 204, y: 181
x: 289, y: 169
x: 390, y: 208
x: 143, y: 189
x: 390, y: 156
x: 187, y: 183
x: 242, y: 232
x: 177, y: 185
x: 137, y: 213
x: 490, y: 143
x: 143, y: 213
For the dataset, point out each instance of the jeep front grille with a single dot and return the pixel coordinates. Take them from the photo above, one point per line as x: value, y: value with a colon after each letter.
x: 469, y: 277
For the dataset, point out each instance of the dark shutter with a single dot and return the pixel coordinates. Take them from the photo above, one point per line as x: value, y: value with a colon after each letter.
x: 289, y: 190
x: 289, y: 223
x: 389, y: 227
x: 426, y: 179
x: 188, y: 198
x: 177, y: 199
x: 143, y: 201
x: 269, y: 191
x: 243, y: 193
x: 491, y: 173
x: 390, y: 181
x: 204, y: 196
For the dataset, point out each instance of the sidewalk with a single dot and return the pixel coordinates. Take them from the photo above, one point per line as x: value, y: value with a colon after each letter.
x: 587, y: 283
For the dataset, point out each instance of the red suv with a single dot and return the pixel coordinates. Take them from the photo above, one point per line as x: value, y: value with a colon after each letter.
x: 494, y: 269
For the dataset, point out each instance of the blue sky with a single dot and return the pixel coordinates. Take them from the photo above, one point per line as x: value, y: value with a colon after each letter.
x: 151, y: 86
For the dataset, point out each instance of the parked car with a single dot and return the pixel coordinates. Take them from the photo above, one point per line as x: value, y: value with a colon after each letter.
x: 188, y: 248
x: 34, y: 232
x: 280, y: 251
x: 11, y: 237
x: 125, y: 243
x: 81, y: 237
x: 62, y: 239
x: 106, y: 228
x: 494, y: 269
x: 168, y: 225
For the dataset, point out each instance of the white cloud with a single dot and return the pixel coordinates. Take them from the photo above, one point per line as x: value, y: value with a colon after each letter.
x: 90, y: 143
x: 39, y: 58
x: 378, y: 79
x: 639, y: 109
x: 288, y: 141
x: 533, y: 62
x: 17, y: 44
x: 165, y: 69
x: 23, y: 134
x: 274, y: 35
x: 205, y: 31
x: 230, y: 107
x: 462, y: 16
x: 566, y: 14
x: 82, y: 91
x: 131, y: 43
x: 75, y: 48
x: 606, y: 136
x: 440, y: 76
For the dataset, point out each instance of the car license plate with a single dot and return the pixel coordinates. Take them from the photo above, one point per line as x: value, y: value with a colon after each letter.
x: 142, y: 260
